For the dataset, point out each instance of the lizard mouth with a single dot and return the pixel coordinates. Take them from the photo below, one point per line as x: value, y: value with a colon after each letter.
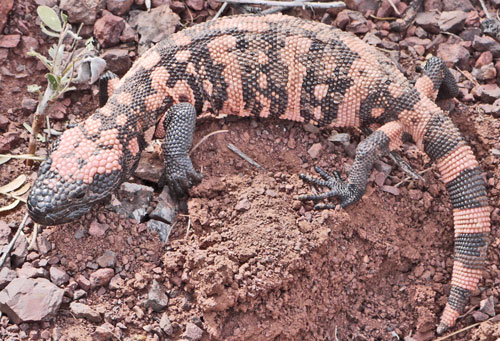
x: 45, y: 217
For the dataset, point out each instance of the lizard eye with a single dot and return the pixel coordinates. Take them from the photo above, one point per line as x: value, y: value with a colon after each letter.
x: 77, y: 194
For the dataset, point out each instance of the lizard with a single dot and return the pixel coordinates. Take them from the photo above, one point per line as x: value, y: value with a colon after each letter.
x: 272, y: 66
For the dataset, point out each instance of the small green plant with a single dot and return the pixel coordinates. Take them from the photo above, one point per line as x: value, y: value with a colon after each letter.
x: 62, y: 62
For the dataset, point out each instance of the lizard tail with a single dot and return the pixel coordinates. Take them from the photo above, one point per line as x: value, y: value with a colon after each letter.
x: 460, y: 171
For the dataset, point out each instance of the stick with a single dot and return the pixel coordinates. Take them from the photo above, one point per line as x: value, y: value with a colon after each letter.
x: 462, y: 330
x: 221, y: 9
x: 234, y: 149
x: 206, y: 137
x: 13, y: 241
x: 335, y: 4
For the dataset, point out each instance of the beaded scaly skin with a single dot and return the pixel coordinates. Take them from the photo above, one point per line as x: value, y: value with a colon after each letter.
x: 269, y: 66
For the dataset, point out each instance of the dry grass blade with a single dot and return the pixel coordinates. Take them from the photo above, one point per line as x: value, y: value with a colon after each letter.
x: 10, y: 206
x: 14, y: 184
x: 6, y: 157
x: 22, y: 190
x: 205, y: 138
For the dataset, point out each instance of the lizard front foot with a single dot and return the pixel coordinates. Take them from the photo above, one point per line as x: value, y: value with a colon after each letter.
x: 180, y: 175
x: 346, y: 192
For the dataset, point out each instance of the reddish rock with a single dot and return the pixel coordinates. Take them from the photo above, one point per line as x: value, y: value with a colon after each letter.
x: 119, y: 7
x: 484, y: 59
x: 488, y: 93
x: 5, y: 8
x: 315, y: 150
x: 433, y: 5
x: 58, y: 276
x: 193, y: 332
x: 10, y: 40
x: 453, y: 54
x: 8, y: 141
x: 4, y: 122
x: 457, y: 5
x: 108, y: 29
x: 101, y: 277
x: 82, y: 11
x: 96, y: 229
x: 117, y: 60
x: 485, y: 72
x: 27, y: 299
x: 197, y: 5
x: 428, y: 21
x: 452, y: 21
x: 485, y: 43
x: 83, y: 282
x: 80, y: 310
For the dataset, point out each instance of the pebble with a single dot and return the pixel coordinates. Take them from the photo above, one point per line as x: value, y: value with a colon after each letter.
x: 119, y: 7
x: 5, y: 8
x: 452, y: 21
x: 107, y: 259
x: 29, y: 104
x: 6, y: 276
x: 97, y: 230
x: 242, y: 205
x: 487, y: 306
x: 315, y: 150
x: 108, y: 29
x: 82, y: 11
x: 166, y: 325
x: 80, y: 310
x: 193, y: 332
x: 157, y: 299
x: 155, y: 25
x: 390, y: 189
x: 58, y: 276
x: 9, y: 40
x: 117, y: 60
x: 101, y: 277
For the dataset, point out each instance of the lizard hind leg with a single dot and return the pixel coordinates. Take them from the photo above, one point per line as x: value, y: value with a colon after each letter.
x: 381, y: 142
x: 179, y: 124
x: 437, y: 80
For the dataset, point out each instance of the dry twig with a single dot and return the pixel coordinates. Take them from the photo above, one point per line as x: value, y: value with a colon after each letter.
x: 234, y: 149
x: 13, y: 241
x: 335, y: 4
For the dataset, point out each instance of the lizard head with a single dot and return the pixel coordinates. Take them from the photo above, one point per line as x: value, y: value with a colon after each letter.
x: 80, y: 170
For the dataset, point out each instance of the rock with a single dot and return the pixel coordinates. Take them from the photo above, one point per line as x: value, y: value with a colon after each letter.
x: 479, y: 316
x: 454, y: 54
x: 163, y: 229
x: 452, y: 21
x: 382, y: 167
x: 8, y: 141
x: 165, y: 324
x: 487, y: 306
x: 242, y: 205
x: 460, y: 5
x: 485, y: 43
x: 197, y: 5
x: 433, y: 5
x: 164, y: 211
x: 193, y: 332
x: 128, y: 34
x: 29, y: 271
x: 116, y: 283
x: 6, y: 276
x: 5, y: 8
x: 80, y: 310
x: 488, y: 93
x: 29, y: 43
x: 43, y: 245
x: 363, y: 6
x: 485, y: 72
x: 83, y: 282
x: 117, y: 60
x: 484, y: 59
x: 20, y: 250
x: 4, y: 125
x: 119, y: 7
x: 82, y: 11
x: 101, y: 277
x: 108, y: 29
x: 107, y: 260
x: 390, y: 189
x: 9, y: 40
x: 27, y: 299
x: 470, y: 33
x: 134, y: 200
x: 177, y: 6
x: 104, y: 332
x: 155, y: 25
x: 150, y: 167
x: 79, y: 294
x: 428, y: 21
x: 97, y: 230
x: 315, y: 150
x: 29, y: 104
x: 492, y: 109
x: 58, y: 276
x: 157, y: 299
x: 4, y: 233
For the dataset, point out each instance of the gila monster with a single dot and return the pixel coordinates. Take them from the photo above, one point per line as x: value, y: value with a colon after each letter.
x: 279, y: 67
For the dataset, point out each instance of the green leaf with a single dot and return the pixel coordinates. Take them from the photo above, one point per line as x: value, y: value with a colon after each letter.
x: 34, y: 88
x: 47, y: 32
x: 52, y: 51
x: 49, y: 18
x: 64, y: 17
x: 52, y: 80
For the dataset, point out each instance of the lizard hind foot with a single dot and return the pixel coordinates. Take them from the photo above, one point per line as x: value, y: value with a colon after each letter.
x: 338, y: 188
x: 180, y: 175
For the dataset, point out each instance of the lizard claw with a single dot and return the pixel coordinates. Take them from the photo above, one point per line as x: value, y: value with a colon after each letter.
x: 180, y: 175
x: 338, y: 188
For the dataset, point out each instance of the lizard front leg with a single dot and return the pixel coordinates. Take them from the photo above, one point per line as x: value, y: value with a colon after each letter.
x: 178, y: 128
x: 380, y: 142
